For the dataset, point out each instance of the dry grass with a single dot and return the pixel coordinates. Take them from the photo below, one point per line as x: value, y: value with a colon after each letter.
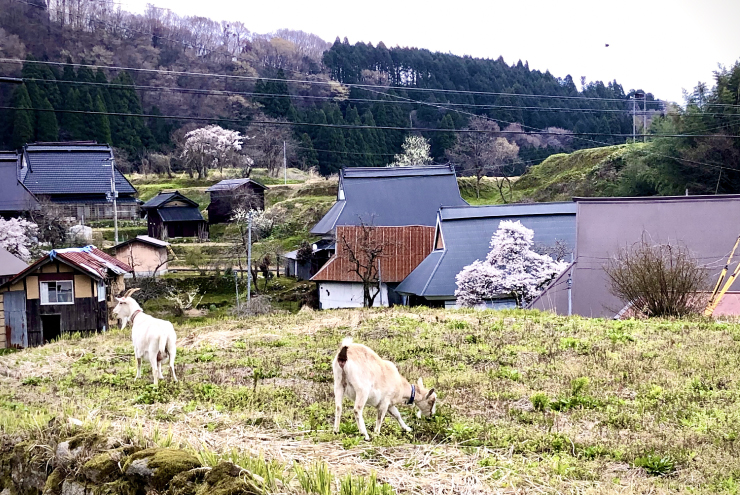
x: 615, y: 393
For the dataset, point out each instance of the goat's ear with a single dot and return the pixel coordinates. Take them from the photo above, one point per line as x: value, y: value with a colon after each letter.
x: 119, y: 299
x: 420, y: 382
x: 429, y: 394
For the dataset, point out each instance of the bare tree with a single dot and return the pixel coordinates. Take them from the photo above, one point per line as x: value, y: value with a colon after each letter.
x: 482, y: 152
x: 363, y: 251
x: 657, y: 279
x: 266, y: 143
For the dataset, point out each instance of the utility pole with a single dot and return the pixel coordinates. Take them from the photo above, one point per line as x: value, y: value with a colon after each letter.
x: 113, y: 196
x: 285, y: 165
x: 249, y: 255
x: 570, y: 291
x: 644, y: 118
x: 634, y: 127
x: 236, y: 284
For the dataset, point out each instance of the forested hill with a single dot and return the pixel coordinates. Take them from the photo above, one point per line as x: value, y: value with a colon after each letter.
x: 93, y: 71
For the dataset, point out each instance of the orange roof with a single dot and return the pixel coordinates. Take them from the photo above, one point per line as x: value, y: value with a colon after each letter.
x: 403, y: 249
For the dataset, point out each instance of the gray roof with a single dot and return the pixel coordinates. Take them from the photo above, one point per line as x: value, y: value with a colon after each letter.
x: 229, y: 184
x: 71, y: 169
x: 165, y: 197
x: 180, y: 214
x: 145, y: 239
x: 467, y: 231
x: 10, y: 264
x: 13, y: 194
x: 391, y: 196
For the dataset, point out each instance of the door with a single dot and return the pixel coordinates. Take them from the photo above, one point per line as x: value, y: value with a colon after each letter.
x: 51, y: 327
x: 15, y: 318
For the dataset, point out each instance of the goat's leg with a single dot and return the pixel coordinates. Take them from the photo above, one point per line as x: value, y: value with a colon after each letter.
x: 338, y: 398
x: 172, y: 366
x: 360, y: 400
x: 382, y: 410
x: 138, y: 368
x: 155, y: 368
x: 394, y: 412
x: 159, y: 370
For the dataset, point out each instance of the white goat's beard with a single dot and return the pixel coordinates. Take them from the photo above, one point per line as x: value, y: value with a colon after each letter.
x: 124, y: 322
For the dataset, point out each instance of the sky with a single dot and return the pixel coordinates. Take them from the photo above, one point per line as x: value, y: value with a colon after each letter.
x: 662, y: 47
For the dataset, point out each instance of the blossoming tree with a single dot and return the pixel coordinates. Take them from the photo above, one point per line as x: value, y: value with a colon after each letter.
x: 210, y: 147
x: 19, y: 237
x: 511, y: 268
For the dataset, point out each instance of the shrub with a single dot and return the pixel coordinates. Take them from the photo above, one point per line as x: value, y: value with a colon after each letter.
x: 657, y: 279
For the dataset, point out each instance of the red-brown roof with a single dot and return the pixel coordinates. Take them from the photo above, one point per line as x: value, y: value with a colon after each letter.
x: 403, y: 249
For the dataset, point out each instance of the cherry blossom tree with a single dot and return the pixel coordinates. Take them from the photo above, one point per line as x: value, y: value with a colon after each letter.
x: 511, y: 268
x: 19, y: 237
x: 211, y: 147
x: 415, y: 152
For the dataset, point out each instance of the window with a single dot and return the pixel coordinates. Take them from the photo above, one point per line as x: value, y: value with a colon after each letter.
x: 57, y: 292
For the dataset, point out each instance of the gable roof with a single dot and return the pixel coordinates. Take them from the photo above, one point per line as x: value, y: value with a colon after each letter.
x: 10, y: 264
x: 391, y: 196
x: 466, y: 233
x: 182, y: 214
x: 403, y: 249
x: 143, y: 239
x: 163, y: 198
x: 230, y: 184
x: 14, y: 196
x: 88, y: 259
x: 70, y: 168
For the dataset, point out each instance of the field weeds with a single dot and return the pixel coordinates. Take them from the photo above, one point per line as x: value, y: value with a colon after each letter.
x: 529, y: 401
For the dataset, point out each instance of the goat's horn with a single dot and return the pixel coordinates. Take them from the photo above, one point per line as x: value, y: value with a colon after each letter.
x: 131, y: 291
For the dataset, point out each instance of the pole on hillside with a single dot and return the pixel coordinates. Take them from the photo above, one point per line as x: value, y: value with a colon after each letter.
x: 285, y: 165
x: 236, y: 284
x: 113, y: 195
x: 634, y: 126
x: 644, y: 119
x: 570, y: 292
x: 249, y: 257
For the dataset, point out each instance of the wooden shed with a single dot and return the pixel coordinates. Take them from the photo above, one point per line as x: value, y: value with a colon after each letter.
x: 68, y: 290
x: 230, y: 194
x: 170, y: 214
x: 146, y: 255
x: 403, y: 248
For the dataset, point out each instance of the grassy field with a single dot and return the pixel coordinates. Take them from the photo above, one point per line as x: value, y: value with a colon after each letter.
x: 530, y: 402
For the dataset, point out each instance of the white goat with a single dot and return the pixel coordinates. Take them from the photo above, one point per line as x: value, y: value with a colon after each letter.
x: 360, y: 374
x: 153, y: 339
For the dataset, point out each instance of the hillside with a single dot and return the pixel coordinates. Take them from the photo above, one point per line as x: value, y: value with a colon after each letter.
x: 528, y: 401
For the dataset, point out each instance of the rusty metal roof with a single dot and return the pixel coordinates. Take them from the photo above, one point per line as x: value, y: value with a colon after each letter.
x: 403, y: 249
x: 92, y: 260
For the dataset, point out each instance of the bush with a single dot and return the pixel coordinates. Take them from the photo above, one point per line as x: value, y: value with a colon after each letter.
x: 657, y: 280
x: 257, y: 305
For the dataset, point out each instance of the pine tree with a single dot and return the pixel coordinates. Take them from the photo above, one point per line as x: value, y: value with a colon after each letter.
x: 47, y: 128
x: 23, y: 130
x: 101, y: 123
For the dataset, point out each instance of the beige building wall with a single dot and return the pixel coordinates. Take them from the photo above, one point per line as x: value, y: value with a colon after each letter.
x: 144, y: 258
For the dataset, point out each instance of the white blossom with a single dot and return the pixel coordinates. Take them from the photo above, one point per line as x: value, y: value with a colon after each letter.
x: 510, y: 269
x: 211, y: 147
x: 415, y: 152
x: 18, y: 237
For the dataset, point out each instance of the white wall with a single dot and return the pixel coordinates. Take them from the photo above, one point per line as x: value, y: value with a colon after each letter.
x: 334, y: 295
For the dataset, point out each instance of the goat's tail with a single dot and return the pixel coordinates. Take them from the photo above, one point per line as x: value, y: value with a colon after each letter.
x: 346, y: 341
x: 342, y: 356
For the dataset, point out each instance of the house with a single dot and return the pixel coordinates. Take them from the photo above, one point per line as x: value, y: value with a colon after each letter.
x: 170, y: 214
x: 321, y: 251
x: 403, y: 248
x: 10, y: 265
x: 146, y: 255
x: 68, y: 290
x: 707, y: 225
x: 391, y: 196
x: 230, y: 194
x: 75, y: 179
x: 463, y: 235
x: 15, y: 199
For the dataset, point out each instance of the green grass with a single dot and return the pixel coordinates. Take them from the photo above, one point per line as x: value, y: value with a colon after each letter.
x: 527, y: 399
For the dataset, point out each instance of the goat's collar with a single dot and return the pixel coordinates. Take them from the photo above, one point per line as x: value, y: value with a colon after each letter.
x: 134, y: 315
x: 413, y: 394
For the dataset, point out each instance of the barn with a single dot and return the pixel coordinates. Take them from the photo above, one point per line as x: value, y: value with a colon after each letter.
x: 230, y: 194
x: 170, y: 214
x: 68, y: 290
x: 146, y: 255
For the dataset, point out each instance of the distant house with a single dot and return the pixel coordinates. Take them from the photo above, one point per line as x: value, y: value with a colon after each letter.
x: 68, y: 290
x: 321, y: 251
x: 15, y: 199
x: 10, y: 265
x: 75, y: 179
x: 403, y: 249
x: 391, y: 196
x: 706, y: 225
x: 230, y: 194
x: 463, y: 235
x: 146, y: 255
x: 170, y: 214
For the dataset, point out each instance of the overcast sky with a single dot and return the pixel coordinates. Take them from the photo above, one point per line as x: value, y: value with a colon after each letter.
x: 659, y: 46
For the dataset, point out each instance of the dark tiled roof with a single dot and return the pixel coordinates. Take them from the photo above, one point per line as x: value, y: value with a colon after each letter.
x: 467, y: 233
x: 229, y: 184
x: 165, y: 197
x: 180, y: 214
x: 391, y: 197
x: 13, y: 195
x: 71, y: 169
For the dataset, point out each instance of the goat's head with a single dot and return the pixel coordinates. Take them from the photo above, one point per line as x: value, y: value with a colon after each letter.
x: 126, y: 307
x: 426, y: 400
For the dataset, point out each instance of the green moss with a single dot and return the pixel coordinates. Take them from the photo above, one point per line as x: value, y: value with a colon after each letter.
x: 118, y: 487
x: 54, y: 482
x: 165, y: 464
x: 101, y: 469
x: 187, y: 483
x: 85, y: 439
x: 226, y: 478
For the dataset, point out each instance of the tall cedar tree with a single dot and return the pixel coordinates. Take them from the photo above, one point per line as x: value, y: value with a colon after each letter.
x: 23, y: 131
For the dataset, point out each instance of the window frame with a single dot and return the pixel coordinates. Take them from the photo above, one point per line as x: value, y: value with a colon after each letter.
x: 43, y: 292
